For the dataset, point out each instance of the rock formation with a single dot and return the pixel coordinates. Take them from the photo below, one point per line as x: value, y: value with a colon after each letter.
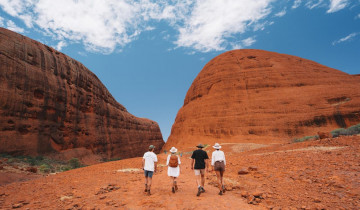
x: 264, y: 97
x: 51, y: 103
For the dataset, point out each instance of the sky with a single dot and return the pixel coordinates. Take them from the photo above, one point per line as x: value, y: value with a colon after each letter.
x: 148, y: 52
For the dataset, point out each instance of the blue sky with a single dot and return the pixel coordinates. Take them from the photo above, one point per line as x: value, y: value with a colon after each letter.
x: 147, y: 52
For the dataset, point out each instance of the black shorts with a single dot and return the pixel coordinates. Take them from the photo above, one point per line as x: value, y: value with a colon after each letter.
x: 219, y: 166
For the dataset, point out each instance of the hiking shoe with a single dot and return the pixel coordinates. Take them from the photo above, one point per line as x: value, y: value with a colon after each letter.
x: 221, y: 192
x: 223, y: 189
x: 199, y: 192
x: 176, y: 187
x: 173, y: 189
x: 148, y: 192
x: 202, y: 189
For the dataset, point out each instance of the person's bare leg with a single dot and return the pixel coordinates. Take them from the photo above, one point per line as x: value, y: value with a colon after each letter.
x: 202, y: 180
x: 175, y: 184
x: 146, y: 182
x: 219, y: 180
x: 222, y: 180
x: 149, y: 184
x: 198, y: 180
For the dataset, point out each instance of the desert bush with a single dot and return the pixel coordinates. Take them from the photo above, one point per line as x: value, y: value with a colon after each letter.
x: 45, y: 168
x: 74, y: 163
x: 305, y: 138
x: 353, y: 130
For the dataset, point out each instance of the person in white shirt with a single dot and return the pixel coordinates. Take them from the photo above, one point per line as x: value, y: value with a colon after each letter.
x: 149, y: 164
x: 173, y: 162
x: 218, y: 163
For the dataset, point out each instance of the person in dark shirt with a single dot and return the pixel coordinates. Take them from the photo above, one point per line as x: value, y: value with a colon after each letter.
x: 199, y: 163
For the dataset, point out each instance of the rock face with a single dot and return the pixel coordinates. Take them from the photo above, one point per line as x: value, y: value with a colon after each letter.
x: 264, y: 97
x: 51, y: 103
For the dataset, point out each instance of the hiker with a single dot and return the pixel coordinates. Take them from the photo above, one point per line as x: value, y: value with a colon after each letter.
x: 173, y: 162
x: 200, y: 158
x: 149, y: 163
x: 218, y: 163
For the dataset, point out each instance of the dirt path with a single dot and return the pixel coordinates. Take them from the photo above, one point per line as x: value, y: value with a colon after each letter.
x: 112, y: 185
x: 185, y: 197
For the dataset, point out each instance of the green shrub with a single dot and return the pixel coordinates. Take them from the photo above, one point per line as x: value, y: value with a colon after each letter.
x: 74, y: 163
x: 305, y: 138
x: 338, y: 132
x: 31, y: 161
x: 45, y: 168
x: 353, y: 130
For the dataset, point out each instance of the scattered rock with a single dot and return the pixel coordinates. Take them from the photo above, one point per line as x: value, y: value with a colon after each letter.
x: 323, y: 135
x: 244, y: 194
x: 17, y: 205
x: 65, y: 197
x: 31, y: 169
x: 243, y: 171
x: 252, y: 168
x: 317, y: 200
x: 109, y: 188
x: 257, y: 194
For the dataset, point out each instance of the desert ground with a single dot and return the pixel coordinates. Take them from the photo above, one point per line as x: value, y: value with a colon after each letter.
x: 316, y: 174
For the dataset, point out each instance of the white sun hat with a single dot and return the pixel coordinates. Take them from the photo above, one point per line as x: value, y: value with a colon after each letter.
x: 217, y: 146
x: 173, y: 150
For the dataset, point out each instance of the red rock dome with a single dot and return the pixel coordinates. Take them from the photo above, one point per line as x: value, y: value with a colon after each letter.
x: 264, y: 97
x: 51, y: 103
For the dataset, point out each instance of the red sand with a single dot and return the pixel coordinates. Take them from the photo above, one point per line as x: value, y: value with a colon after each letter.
x: 321, y: 174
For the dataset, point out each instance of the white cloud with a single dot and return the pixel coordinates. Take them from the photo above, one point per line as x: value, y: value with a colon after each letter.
x: 211, y: 22
x: 13, y: 27
x: 100, y: 25
x: 60, y: 45
x: 107, y: 26
x: 336, y: 5
x: 1, y: 21
x: 281, y: 13
x: 344, y: 39
x: 311, y: 4
x: 248, y: 42
x: 296, y: 4
x: 357, y: 16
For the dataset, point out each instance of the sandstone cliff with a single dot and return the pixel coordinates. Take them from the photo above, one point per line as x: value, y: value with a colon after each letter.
x: 50, y: 103
x: 264, y: 97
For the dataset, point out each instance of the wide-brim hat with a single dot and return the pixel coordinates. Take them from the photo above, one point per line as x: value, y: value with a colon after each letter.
x: 173, y: 150
x: 200, y: 146
x: 217, y: 146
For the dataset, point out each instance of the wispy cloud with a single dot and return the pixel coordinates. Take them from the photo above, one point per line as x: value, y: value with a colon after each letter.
x: 345, y: 39
x: 12, y: 26
x: 248, y: 42
x: 281, y: 13
x: 337, y: 5
x: 60, y: 45
x: 357, y: 16
x: 296, y: 4
x: 311, y: 4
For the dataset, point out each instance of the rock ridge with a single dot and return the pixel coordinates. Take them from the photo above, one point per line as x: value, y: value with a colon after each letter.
x: 51, y: 103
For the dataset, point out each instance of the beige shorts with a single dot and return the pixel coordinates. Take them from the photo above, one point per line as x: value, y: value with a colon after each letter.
x: 199, y: 171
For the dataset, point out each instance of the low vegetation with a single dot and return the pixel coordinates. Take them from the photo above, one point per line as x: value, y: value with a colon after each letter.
x: 353, y: 130
x: 43, y: 164
x: 305, y: 138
